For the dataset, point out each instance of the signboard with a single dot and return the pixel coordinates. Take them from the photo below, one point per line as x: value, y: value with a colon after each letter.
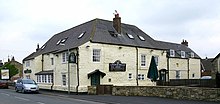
x: 117, y: 66
x: 72, y: 58
x: 5, y: 73
x: 27, y: 71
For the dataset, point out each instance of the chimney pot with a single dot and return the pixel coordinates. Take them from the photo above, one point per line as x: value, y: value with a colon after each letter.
x: 37, y: 47
x: 184, y: 42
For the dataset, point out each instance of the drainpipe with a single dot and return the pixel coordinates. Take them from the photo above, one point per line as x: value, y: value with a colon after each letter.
x: 68, y: 70
x: 42, y: 62
x: 168, y: 68
x: 188, y: 67
x: 137, y: 65
x: 77, y: 68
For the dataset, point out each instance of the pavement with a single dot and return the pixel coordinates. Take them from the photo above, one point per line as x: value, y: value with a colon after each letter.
x: 109, y: 99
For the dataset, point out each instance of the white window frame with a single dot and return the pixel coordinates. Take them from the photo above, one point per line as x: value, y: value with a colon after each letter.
x: 141, y: 38
x: 183, y: 54
x: 81, y: 35
x: 143, y: 60
x: 192, y: 54
x: 141, y: 76
x: 28, y: 77
x: 49, y: 78
x: 40, y: 78
x: 178, y: 74
x: 64, y: 57
x: 156, y: 58
x: 96, y: 55
x: 130, y: 36
x: 129, y: 76
x: 64, y: 80
x: 28, y: 63
x: 44, y: 78
x: 172, y: 53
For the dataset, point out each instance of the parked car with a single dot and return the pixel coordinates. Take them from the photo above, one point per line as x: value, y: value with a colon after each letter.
x: 206, y: 77
x: 3, y: 84
x: 26, y: 85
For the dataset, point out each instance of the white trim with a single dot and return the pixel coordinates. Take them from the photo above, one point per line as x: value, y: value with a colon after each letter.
x: 130, y: 36
x: 172, y: 53
x: 145, y: 59
x: 183, y: 54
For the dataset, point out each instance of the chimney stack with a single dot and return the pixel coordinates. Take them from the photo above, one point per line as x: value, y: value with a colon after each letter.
x: 117, y: 22
x: 184, y: 42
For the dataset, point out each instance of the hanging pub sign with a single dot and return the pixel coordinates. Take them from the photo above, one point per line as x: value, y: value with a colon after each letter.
x: 117, y: 66
x: 72, y: 57
x: 5, y: 73
x: 27, y: 71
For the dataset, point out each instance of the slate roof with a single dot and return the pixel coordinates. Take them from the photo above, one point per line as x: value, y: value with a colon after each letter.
x: 216, y: 57
x: 46, y: 72
x: 207, y: 64
x: 99, y: 31
x: 178, y: 48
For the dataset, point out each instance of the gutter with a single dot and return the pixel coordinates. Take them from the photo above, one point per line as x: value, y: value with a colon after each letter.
x: 137, y: 65
x: 188, y: 67
x: 168, y: 68
x: 42, y: 62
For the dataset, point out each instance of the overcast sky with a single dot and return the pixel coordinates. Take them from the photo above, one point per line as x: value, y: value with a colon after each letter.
x: 25, y: 23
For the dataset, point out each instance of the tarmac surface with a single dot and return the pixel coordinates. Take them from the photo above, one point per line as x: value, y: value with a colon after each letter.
x: 109, y: 99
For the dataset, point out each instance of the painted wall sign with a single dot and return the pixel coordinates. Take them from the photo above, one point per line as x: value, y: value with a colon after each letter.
x: 117, y: 66
x: 27, y: 71
x: 5, y: 73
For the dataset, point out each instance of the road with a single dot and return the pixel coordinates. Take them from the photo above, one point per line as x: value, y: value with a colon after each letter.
x: 9, y: 96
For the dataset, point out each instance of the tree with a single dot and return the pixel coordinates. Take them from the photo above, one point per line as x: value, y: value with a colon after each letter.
x: 12, y: 69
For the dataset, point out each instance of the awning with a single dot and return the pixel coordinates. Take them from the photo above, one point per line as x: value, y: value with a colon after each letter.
x: 96, y: 72
x: 45, y: 72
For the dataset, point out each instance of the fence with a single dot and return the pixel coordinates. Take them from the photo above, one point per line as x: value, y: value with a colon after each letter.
x: 189, y: 82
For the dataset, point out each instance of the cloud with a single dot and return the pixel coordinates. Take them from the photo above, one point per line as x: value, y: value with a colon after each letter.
x: 28, y: 22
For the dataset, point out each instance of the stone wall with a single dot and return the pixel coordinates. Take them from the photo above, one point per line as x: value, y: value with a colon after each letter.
x: 92, y: 90
x: 192, y: 93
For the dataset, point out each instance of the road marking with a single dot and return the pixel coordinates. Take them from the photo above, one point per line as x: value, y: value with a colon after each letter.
x: 40, y: 103
x: 86, y: 101
x: 62, y: 96
x: 5, y: 94
x: 22, y: 98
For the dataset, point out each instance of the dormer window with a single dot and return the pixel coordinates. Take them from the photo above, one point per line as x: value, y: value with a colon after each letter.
x: 141, y: 37
x: 63, y: 40
x: 172, y: 53
x: 183, y: 54
x: 43, y: 46
x: 58, y: 42
x: 130, y: 36
x: 192, y: 54
x: 81, y: 35
x: 112, y: 33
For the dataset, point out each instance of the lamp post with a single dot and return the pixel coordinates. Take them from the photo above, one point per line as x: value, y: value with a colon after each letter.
x: 71, y: 59
x: 68, y: 69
